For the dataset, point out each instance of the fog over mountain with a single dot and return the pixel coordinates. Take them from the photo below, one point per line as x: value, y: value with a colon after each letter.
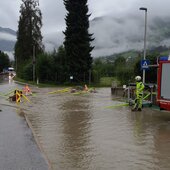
x: 7, y: 40
x: 112, y: 34
x: 119, y: 34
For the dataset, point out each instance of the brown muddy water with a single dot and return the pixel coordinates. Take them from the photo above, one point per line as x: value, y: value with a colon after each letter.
x: 78, y: 132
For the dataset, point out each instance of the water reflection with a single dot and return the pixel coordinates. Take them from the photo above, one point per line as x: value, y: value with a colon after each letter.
x: 76, y: 129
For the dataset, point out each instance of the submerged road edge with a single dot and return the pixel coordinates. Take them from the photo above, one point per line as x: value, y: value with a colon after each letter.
x: 38, y: 143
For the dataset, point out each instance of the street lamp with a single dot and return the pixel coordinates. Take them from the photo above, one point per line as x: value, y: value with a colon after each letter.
x: 144, y: 52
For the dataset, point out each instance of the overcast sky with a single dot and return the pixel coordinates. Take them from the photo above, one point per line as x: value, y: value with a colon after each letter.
x: 54, y: 12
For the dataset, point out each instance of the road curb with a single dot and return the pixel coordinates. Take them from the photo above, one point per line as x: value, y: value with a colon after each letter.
x: 38, y: 143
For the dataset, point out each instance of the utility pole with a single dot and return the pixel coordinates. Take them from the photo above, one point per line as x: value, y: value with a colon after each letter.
x: 16, y: 64
x: 33, y: 63
x: 89, y: 76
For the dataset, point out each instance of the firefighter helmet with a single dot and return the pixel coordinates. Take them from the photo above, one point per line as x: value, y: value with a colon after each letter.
x: 138, y: 78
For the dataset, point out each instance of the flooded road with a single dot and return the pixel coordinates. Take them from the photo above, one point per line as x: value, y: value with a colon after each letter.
x: 78, y: 132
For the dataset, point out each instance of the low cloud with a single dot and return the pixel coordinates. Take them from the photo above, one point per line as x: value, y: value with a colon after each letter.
x: 113, y: 35
x: 10, y: 54
x: 53, y: 40
x: 7, y: 36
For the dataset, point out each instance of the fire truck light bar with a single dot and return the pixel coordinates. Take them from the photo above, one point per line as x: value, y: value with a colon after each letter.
x: 164, y: 58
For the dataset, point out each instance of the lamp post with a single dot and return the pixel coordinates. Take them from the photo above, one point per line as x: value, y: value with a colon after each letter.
x: 144, y: 52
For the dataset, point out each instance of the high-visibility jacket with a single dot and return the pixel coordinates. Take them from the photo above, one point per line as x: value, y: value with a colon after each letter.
x: 139, y: 88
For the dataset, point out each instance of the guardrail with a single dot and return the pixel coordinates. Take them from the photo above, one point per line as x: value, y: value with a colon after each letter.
x: 150, y: 92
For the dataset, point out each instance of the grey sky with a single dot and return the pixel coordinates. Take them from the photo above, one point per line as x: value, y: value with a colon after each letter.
x: 54, y: 13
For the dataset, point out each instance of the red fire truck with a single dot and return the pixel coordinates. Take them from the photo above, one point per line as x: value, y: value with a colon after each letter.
x: 163, y: 95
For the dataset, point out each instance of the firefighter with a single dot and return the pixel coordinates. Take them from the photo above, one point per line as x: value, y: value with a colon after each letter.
x: 139, y: 94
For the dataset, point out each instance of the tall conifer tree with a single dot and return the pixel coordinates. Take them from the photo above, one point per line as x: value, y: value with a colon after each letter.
x: 77, y: 40
x: 29, y: 38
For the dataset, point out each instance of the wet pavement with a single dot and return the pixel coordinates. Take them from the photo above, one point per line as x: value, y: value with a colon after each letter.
x: 18, y: 148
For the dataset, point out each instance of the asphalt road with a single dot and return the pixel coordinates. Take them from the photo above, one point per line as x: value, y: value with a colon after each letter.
x: 18, y: 149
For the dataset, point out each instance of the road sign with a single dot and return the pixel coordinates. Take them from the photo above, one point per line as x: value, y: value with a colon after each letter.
x: 145, y: 64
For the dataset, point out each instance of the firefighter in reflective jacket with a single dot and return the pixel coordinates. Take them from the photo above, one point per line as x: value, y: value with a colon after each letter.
x: 139, y: 94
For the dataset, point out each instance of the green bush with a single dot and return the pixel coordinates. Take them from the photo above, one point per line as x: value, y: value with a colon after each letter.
x: 107, y: 81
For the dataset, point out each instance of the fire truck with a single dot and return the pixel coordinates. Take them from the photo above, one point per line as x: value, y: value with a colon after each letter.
x: 163, y: 83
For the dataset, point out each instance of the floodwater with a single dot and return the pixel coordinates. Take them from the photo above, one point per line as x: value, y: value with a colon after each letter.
x: 79, y: 132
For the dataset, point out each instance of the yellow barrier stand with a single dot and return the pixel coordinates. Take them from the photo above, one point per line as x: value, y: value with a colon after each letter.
x: 21, y: 95
x: 26, y: 98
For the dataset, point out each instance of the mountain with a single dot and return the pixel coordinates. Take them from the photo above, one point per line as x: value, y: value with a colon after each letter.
x: 8, y: 31
x: 118, y: 34
x: 7, y: 39
x: 113, y: 34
